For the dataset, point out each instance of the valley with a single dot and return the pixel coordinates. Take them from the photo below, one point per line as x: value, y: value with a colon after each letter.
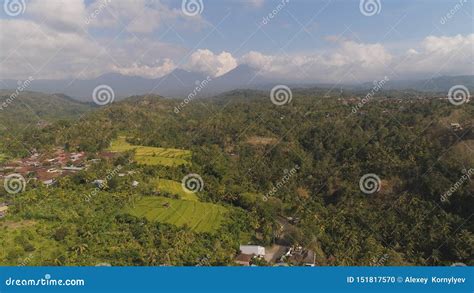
x: 241, y: 146
x: 155, y: 187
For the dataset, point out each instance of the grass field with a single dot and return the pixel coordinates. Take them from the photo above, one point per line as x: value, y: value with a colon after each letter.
x: 199, y: 216
x: 3, y: 157
x: 174, y: 187
x: 152, y: 155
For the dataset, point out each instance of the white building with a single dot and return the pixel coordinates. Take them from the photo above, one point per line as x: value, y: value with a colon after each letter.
x: 252, y: 249
x: 48, y: 182
x: 98, y: 183
x: 72, y: 168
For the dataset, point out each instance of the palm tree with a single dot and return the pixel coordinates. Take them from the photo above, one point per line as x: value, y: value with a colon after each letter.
x: 80, y: 248
x: 152, y: 257
x: 57, y: 261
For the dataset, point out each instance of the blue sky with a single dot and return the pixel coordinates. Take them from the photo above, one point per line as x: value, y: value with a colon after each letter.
x: 320, y: 40
x: 413, y: 21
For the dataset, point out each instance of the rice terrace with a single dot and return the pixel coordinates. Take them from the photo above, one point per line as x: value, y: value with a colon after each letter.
x: 186, y: 210
x: 199, y: 216
x: 152, y: 155
x: 174, y: 188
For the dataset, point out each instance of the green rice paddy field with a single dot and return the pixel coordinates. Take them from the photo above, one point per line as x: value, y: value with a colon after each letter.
x: 174, y: 187
x: 152, y: 155
x: 199, y: 216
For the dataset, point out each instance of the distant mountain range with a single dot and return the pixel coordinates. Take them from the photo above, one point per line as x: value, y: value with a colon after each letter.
x: 181, y: 83
x: 438, y: 84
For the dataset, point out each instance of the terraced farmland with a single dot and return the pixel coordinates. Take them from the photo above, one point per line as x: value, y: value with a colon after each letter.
x: 152, y: 155
x: 199, y: 216
x: 174, y: 187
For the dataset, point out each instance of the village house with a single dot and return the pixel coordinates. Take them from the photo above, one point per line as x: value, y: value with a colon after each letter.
x: 72, y: 168
x: 46, y: 167
x: 456, y: 126
x: 301, y: 256
x: 76, y: 156
x: 252, y: 250
x: 3, y: 209
x: 243, y: 259
x: 98, y: 182
x: 248, y: 252
x: 46, y: 177
x: 107, y: 155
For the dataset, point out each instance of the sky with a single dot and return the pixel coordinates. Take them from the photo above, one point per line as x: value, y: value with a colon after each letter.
x: 297, y: 40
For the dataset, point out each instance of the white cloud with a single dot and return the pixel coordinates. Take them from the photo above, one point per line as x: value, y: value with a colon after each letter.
x: 162, y: 67
x: 349, y: 60
x: 440, y: 55
x: 139, y: 16
x: 204, y: 60
x: 358, y: 54
x: 446, y: 45
x: 52, y: 41
x: 43, y: 51
x: 49, y: 53
x: 412, y: 52
x: 258, y: 60
x: 365, y: 60
x: 76, y: 38
x: 256, y: 3
x: 58, y: 14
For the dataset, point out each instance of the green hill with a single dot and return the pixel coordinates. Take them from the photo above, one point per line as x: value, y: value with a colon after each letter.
x: 31, y: 109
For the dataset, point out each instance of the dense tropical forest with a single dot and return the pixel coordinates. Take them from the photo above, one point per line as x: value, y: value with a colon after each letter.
x: 262, y: 166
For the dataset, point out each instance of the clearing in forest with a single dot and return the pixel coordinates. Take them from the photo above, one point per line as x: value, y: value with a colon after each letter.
x: 175, y: 188
x: 199, y: 216
x: 261, y: 140
x: 152, y: 155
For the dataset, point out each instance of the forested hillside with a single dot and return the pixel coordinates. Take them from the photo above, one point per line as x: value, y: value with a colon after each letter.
x: 25, y: 111
x: 259, y: 163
